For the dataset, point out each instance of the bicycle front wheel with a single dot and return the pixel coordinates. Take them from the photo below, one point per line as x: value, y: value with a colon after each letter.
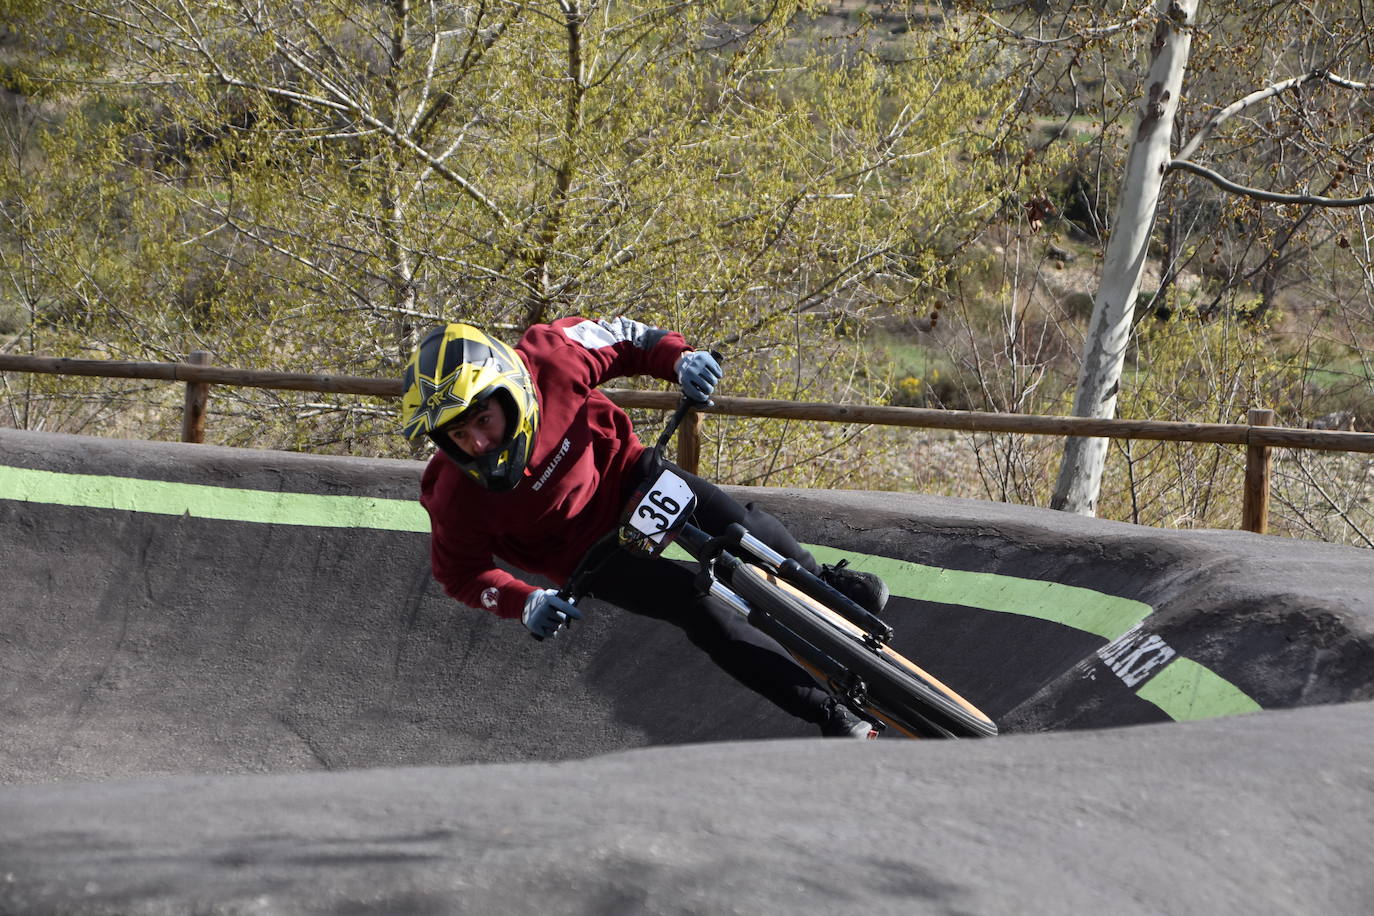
x: 897, y: 690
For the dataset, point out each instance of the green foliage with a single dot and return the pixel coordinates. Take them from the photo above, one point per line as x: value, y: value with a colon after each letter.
x: 314, y: 190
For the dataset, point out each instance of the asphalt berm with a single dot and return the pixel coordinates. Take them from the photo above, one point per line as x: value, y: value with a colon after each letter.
x: 229, y: 685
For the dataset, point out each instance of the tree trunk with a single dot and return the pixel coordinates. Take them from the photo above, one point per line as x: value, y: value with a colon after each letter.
x: 1104, y: 351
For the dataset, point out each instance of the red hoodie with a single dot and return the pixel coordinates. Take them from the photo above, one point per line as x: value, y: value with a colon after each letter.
x: 573, y: 486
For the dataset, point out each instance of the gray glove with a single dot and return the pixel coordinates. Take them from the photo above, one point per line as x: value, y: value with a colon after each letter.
x: 545, y: 613
x: 698, y: 373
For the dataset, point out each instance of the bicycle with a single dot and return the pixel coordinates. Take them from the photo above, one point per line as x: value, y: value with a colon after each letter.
x: 841, y: 644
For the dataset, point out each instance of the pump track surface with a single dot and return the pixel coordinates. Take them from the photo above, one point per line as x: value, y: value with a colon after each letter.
x: 229, y: 685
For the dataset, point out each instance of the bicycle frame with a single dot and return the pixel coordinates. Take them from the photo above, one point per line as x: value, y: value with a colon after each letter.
x: 674, y: 525
x: 659, y: 513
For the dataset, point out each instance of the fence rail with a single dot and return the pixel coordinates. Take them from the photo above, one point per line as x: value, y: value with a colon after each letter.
x: 1258, y: 436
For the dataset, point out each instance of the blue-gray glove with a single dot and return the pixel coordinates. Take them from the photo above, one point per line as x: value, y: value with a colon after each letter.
x: 698, y: 374
x: 545, y: 613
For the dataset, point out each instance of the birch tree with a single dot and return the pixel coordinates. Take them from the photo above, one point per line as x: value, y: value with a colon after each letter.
x: 1099, y: 380
x: 1149, y: 161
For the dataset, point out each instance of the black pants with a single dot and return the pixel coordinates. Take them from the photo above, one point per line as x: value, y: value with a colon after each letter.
x: 665, y: 590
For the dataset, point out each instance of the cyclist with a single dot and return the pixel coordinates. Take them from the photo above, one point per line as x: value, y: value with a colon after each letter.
x: 534, y: 464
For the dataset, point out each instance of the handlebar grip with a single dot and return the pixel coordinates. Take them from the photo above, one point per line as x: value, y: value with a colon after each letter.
x: 567, y: 621
x: 702, y: 402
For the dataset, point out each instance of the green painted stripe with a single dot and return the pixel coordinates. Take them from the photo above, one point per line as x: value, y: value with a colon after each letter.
x: 1186, y: 690
x: 1071, y: 606
x: 1080, y: 608
x: 1183, y: 689
x: 164, y: 498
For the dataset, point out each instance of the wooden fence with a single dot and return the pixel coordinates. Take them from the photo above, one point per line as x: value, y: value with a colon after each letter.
x: 1258, y: 436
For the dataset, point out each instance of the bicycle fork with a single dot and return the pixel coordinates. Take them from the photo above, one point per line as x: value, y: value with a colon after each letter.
x: 840, y: 680
x: 876, y: 631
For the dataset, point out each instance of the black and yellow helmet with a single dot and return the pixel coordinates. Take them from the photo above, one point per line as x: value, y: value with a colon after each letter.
x: 458, y: 367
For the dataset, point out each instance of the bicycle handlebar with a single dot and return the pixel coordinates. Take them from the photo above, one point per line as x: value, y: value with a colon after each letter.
x: 685, y: 406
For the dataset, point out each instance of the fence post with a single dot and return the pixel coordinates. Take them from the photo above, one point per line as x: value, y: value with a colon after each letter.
x: 197, y: 397
x: 1258, y: 468
x: 689, y: 441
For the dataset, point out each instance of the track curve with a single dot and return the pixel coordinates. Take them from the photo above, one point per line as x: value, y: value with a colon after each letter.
x: 177, y: 619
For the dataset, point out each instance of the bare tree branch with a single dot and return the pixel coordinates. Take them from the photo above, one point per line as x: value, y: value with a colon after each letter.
x: 1140, y: 15
x: 1260, y: 95
x: 1270, y: 196
x: 353, y: 107
x: 343, y: 102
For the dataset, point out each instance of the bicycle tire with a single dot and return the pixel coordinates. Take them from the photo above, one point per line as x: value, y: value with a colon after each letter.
x: 899, y: 691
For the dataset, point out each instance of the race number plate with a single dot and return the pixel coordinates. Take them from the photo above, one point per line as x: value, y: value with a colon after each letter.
x: 659, y: 512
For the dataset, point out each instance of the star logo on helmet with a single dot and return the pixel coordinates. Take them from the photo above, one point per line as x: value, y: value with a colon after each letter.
x: 439, y: 394
x: 435, y: 398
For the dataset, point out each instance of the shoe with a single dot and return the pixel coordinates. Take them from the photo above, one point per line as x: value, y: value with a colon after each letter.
x: 841, y: 723
x: 863, y: 588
